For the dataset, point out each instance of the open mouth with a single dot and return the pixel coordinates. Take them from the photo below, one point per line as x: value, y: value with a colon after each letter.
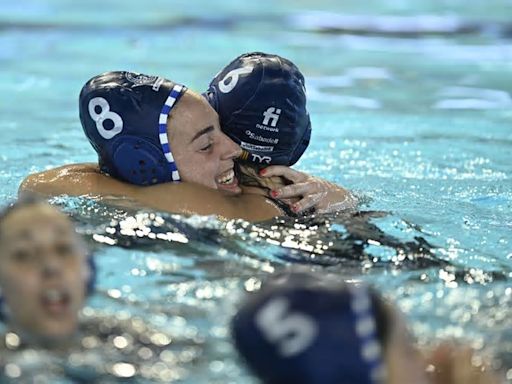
x: 55, y: 302
x: 226, y: 178
x: 228, y: 181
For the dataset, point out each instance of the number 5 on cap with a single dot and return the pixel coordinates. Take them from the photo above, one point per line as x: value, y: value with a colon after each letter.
x: 292, y: 332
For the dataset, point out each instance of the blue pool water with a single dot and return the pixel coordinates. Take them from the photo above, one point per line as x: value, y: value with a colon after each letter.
x: 419, y: 125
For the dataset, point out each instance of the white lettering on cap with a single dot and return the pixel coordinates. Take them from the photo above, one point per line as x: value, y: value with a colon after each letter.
x: 229, y: 82
x: 291, y: 332
x: 261, y: 159
x: 271, y: 115
x: 105, y: 114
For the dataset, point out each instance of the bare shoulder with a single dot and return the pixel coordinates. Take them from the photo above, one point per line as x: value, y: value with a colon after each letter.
x: 197, y: 199
x: 188, y: 198
x: 67, y: 179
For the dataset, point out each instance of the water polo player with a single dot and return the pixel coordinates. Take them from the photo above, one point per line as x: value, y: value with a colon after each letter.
x: 305, y: 329
x: 261, y: 102
x: 124, y: 116
x: 45, y: 274
x: 149, y: 130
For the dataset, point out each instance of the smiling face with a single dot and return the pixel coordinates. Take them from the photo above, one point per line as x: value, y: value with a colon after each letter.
x: 43, y: 270
x: 203, y: 154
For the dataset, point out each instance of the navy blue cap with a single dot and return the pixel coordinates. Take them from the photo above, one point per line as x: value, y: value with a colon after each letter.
x: 124, y: 116
x: 299, y: 330
x: 261, y: 102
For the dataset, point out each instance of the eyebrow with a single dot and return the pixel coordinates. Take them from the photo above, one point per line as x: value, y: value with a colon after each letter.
x: 202, y: 132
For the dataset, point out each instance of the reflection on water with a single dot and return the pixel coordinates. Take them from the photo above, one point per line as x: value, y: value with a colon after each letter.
x: 410, y: 106
x: 187, y: 274
x: 108, y: 348
x: 328, y: 22
x: 167, y: 305
x: 473, y: 98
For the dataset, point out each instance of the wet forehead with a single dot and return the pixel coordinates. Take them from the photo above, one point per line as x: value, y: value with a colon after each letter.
x: 191, y: 115
x: 36, y: 221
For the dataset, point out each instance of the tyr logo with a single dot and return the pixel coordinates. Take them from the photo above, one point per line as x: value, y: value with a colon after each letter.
x: 271, y: 115
x: 261, y: 159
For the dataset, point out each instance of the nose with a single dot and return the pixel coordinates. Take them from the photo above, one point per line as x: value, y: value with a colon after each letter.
x: 231, y: 150
x: 50, y: 265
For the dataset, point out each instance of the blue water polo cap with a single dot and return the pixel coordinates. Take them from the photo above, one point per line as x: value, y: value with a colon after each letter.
x: 124, y: 116
x: 298, y: 330
x: 261, y: 102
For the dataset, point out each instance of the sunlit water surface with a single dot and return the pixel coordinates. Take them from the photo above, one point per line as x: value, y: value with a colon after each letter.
x: 418, y: 124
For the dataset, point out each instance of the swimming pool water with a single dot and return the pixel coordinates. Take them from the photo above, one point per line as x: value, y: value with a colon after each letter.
x: 418, y: 125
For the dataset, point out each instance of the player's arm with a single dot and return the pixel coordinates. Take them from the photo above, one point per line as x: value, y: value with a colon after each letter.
x: 73, y: 180
x: 188, y: 198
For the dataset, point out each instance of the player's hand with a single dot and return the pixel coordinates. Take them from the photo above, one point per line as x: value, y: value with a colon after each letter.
x: 451, y: 364
x: 311, y: 191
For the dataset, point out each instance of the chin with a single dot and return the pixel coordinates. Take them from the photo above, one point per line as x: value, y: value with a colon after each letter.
x: 233, y: 189
x: 237, y: 191
x: 58, y: 331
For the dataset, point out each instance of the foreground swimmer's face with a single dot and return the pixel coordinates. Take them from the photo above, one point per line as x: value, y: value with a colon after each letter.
x: 43, y: 270
x: 203, y: 154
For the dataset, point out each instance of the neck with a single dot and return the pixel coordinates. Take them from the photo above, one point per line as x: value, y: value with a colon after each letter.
x: 249, y: 177
x: 29, y: 339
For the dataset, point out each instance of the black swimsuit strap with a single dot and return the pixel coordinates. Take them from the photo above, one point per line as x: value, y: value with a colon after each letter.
x: 285, y: 208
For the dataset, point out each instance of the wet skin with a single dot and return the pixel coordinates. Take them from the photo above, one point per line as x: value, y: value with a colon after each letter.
x: 43, y: 270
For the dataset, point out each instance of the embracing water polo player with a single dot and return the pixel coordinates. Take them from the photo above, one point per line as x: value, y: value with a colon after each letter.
x: 261, y: 102
x: 130, y: 149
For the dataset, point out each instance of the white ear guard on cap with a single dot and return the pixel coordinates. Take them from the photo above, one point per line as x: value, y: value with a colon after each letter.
x: 175, y: 94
